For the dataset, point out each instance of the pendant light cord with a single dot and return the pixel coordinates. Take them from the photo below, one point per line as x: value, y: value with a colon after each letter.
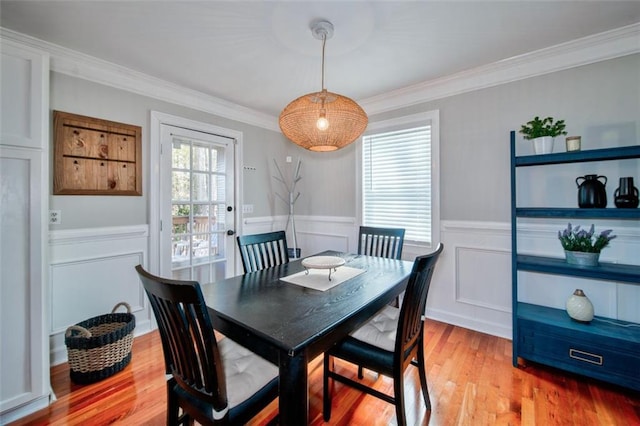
x: 324, y: 41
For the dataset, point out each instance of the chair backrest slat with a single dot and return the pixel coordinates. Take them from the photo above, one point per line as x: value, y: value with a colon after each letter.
x: 415, y: 299
x: 260, y: 251
x: 381, y: 242
x: 189, y: 344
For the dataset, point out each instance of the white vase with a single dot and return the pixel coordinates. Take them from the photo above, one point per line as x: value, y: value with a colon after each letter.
x: 579, y: 307
x: 543, y: 145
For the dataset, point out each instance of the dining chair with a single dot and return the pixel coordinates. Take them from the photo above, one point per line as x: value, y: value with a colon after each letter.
x: 381, y: 242
x: 388, y: 343
x: 260, y: 251
x: 214, y: 382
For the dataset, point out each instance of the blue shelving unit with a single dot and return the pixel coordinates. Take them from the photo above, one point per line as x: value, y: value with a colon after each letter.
x: 605, y: 349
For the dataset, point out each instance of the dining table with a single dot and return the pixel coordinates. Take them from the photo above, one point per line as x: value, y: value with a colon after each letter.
x: 290, y: 324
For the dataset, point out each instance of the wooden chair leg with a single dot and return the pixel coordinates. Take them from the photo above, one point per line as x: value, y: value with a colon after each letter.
x: 398, y: 390
x: 173, y: 409
x: 423, y: 376
x: 326, y: 394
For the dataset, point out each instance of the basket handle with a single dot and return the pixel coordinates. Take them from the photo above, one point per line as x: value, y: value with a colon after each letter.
x: 83, y: 331
x: 125, y: 304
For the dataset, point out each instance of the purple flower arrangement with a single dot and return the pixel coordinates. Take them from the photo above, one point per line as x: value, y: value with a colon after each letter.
x: 576, y: 239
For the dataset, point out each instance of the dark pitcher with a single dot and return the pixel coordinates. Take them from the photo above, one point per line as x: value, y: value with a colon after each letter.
x: 591, y: 192
x: 626, y: 196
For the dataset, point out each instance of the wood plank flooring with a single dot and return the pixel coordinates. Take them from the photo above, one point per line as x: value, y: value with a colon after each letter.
x: 471, y: 382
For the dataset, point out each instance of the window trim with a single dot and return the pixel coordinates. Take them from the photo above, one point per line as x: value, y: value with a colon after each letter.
x: 413, y: 120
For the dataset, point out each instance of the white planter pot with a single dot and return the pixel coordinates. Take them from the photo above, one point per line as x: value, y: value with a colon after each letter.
x: 543, y: 145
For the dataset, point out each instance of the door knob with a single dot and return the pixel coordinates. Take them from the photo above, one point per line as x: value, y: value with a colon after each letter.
x: 230, y: 232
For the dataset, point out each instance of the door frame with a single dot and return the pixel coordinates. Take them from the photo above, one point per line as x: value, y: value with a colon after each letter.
x: 157, y: 120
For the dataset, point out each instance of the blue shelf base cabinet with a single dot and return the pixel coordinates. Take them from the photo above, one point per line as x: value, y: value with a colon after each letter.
x: 604, y: 349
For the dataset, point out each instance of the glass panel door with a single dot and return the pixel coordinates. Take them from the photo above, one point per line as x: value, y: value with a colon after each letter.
x: 201, y: 205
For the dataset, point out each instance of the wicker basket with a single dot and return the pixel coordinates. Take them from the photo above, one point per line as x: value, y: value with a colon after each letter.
x: 100, y: 346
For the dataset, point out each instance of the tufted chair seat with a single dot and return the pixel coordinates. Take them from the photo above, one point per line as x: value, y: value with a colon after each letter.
x: 380, y: 331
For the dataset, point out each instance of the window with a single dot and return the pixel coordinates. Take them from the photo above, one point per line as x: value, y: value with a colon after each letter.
x: 399, y: 176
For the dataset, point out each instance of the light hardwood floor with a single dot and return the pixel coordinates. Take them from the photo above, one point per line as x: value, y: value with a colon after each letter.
x: 471, y: 382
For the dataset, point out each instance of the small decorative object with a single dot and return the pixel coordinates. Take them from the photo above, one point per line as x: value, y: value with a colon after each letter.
x: 579, y: 307
x: 100, y: 346
x: 543, y: 133
x: 581, y: 247
x: 626, y: 196
x: 292, y: 197
x: 573, y: 143
x: 591, y: 192
x: 322, y: 262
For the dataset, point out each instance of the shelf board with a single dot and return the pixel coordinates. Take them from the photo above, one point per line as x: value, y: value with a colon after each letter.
x: 604, y: 271
x: 619, y: 153
x: 611, y: 213
x: 559, y: 318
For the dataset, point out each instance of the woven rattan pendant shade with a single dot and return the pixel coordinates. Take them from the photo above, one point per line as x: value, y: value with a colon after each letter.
x: 345, y: 119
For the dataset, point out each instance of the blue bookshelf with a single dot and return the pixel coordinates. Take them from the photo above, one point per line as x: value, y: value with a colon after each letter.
x: 604, y: 349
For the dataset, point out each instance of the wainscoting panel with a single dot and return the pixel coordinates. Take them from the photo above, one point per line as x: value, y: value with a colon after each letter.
x: 90, y: 271
x: 493, y: 266
x: 471, y: 286
x: 106, y: 281
x: 472, y: 283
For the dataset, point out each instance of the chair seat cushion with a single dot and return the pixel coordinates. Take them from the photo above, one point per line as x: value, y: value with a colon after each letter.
x: 380, y: 331
x: 245, y: 372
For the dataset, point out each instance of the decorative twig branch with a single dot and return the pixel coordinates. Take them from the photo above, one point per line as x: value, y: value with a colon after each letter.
x: 290, y: 201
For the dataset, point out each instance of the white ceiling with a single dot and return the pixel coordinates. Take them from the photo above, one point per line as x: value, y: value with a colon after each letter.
x: 261, y: 54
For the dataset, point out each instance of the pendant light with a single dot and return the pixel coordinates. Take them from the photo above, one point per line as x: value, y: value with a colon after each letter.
x: 323, y: 121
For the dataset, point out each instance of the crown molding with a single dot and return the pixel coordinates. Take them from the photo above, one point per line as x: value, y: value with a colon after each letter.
x: 80, y: 65
x: 595, y: 48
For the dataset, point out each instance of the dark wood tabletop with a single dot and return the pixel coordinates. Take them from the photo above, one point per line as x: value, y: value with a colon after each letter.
x: 290, y: 324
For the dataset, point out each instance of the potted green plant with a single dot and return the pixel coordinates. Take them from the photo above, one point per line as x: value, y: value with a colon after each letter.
x: 543, y: 132
x: 583, y: 247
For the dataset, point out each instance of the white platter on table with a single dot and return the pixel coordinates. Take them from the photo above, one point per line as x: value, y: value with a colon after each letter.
x: 323, y: 262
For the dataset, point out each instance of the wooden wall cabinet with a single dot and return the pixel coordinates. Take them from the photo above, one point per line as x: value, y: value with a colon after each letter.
x: 96, y: 157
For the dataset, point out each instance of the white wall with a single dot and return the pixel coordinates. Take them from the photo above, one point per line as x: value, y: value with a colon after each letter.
x: 80, y: 96
x: 600, y: 101
x: 473, y: 278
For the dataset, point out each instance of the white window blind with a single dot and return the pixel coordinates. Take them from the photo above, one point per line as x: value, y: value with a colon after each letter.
x: 396, y: 179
